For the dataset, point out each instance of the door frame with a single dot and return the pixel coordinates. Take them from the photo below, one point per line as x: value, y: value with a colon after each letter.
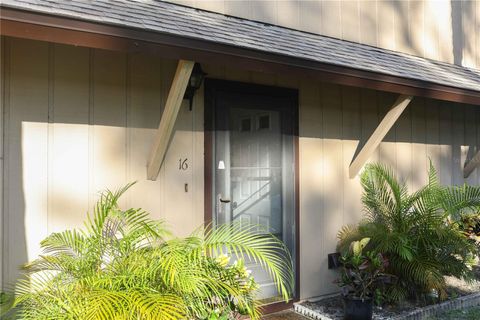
x: 212, y: 87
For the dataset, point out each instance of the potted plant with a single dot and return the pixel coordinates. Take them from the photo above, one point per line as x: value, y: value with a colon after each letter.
x: 361, y: 275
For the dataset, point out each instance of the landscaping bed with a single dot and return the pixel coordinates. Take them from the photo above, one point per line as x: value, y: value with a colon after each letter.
x: 403, y: 250
x: 332, y: 308
x: 468, y: 314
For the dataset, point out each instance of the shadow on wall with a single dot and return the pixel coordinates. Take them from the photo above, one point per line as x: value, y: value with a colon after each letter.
x: 99, y: 122
x: 443, y: 131
x: 335, y: 122
x: 443, y: 31
x: 319, y: 224
x: 77, y: 121
x: 465, y: 36
x: 457, y: 29
x: 403, y: 36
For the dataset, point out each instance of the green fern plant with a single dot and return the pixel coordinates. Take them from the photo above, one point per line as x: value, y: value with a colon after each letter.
x: 124, y: 265
x: 413, y: 231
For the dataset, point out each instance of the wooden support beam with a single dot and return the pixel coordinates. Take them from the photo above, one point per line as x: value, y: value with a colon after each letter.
x: 471, y: 165
x: 380, y: 132
x: 167, y: 121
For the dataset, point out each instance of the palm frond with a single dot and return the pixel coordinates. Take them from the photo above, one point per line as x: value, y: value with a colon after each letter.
x: 413, y: 229
x: 246, y: 241
x: 124, y: 265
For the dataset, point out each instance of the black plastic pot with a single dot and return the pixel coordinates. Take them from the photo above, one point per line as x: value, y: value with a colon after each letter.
x: 358, y: 309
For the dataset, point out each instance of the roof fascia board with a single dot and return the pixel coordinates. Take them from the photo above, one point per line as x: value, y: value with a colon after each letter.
x: 37, y: 26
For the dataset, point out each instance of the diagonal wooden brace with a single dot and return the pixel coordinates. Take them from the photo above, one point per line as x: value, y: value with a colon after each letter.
x: 471, y: 165
x: 380, y: 132
x: 169, y: 116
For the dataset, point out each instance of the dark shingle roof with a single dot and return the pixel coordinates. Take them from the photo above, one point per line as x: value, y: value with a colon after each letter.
x: 169, y: 18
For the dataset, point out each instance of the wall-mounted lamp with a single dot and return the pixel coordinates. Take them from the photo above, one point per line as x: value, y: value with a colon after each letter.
x: 194, y: 83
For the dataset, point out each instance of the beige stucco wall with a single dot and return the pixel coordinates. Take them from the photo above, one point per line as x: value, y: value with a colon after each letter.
x: 446, y: 30
x: 79, y: 120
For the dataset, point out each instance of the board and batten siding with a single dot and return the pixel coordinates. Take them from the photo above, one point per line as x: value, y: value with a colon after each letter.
x: 78, y: 120
x: 441, y: 30
x: 333, y: 121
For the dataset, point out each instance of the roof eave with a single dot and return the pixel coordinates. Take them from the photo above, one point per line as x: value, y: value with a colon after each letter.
x: 56, y: 29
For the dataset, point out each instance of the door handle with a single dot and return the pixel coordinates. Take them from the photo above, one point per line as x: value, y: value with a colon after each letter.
x: 225, y: 200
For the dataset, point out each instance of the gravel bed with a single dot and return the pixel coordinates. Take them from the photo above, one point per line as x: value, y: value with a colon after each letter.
x: 332, y: 308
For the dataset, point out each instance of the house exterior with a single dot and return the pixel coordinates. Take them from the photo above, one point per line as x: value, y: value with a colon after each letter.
x: 298, y: 96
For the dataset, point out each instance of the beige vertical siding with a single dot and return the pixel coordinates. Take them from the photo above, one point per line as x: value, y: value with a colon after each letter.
x: 25, y: 181
x: 4, y: 89
x: 79, y: 120
x: 333, y: 120
x: 437, y: 29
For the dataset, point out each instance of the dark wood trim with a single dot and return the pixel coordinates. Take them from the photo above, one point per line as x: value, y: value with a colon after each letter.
x: 277, y: 307
x: 208, y: 132
x: 297, y: 196
x: 212, y: 86
x: 22, y: 24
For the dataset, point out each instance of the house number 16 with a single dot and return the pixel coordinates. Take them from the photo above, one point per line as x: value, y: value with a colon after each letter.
x: 182, y: 164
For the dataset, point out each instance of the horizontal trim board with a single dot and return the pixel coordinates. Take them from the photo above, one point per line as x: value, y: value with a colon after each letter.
x: 21, y: 24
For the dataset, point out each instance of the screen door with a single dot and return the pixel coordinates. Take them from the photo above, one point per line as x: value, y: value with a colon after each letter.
x: 254, y: 166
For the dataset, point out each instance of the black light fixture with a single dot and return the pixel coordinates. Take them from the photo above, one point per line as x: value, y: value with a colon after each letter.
x: 334, y: 260
x: 194, y: 83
